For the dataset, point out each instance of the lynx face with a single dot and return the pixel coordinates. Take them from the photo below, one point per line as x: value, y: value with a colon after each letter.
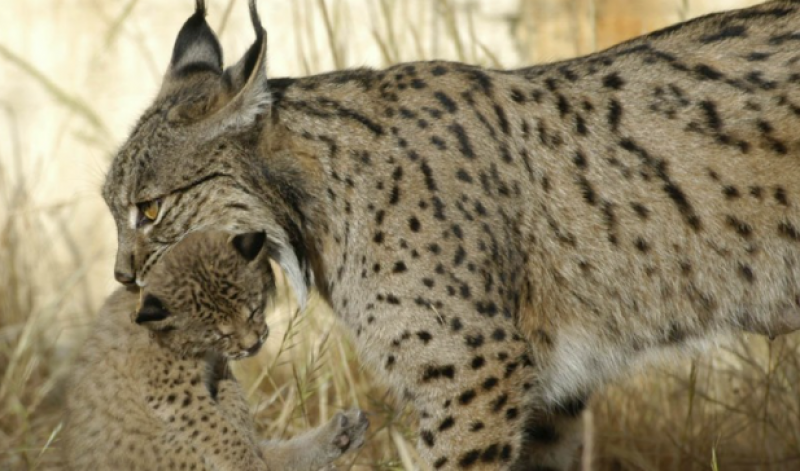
x: 208, y: 294
x: 188, y: 165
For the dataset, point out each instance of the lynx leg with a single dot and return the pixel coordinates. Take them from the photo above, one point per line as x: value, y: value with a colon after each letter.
x: 468, y: 375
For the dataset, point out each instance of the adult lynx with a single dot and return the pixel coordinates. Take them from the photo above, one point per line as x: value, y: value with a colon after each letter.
x: 500, y: 242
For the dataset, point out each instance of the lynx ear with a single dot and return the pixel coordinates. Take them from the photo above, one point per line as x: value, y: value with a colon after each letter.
x: 196, y: 47
x: 151, y: 311
x: 248, y: 80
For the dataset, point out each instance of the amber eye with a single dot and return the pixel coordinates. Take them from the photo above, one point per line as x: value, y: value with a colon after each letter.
x: 150, y: 209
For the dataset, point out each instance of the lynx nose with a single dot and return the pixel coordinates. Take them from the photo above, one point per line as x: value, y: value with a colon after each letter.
x: 123, y: 268
x: 124, y: 278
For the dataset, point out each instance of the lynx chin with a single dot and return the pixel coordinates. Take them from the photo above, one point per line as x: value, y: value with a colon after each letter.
x: 501, y: 243
x: 151, y: 389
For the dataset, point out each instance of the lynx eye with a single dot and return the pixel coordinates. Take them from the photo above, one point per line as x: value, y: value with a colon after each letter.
x: 149, y: 210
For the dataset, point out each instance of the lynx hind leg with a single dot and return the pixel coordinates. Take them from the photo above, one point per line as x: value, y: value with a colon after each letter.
x: 552, y: 438
x: 318, y: 448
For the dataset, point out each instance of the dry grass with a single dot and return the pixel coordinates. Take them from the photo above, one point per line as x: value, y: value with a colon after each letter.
x: 75, y: 73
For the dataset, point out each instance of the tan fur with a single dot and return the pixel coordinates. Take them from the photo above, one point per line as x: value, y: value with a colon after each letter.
x: 502, y: 243
x: 159, y: 396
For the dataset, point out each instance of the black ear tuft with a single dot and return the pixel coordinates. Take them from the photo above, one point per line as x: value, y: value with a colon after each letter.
x: 151, y: 310
x: 238, y: 75
x: 196, y: 47
x: 249, y: 245
x: 251, y: 57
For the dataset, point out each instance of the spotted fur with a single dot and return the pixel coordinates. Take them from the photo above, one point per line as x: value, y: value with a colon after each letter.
x: 159, y: 395
x: 501, y: 243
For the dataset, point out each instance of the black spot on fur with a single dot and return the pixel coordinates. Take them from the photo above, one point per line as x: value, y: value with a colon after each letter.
x: 499, y: 402
x: 464, y: 145
x: 740, y: 227
x: 432, y: 372
x: 512, y: 413
x: 780, y: 196
x: 613, y: 81
x: 640, y: 210
x: 786, y: 229
x: 474, y: 341
x: 490, y: 383
x: 746, y: 272
x: 735, y: 31
x: 730, y: 192
x: 447, y: 102
x: 706, y: 72
x: 614, y: 114
x: 427, y: 438
x: 447, y: 423
x: 467, y: 396
x: 469, y: 458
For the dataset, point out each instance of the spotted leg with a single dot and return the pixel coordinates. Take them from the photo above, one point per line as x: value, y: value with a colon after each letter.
x: 466, y: 370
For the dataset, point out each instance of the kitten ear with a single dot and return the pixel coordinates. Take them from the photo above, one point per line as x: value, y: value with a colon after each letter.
x: 249, y: 245
x: 152, y: 310
x: 196, y: 47
x: 248, y: 79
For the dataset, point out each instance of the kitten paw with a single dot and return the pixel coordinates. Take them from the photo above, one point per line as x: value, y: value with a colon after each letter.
x: 350, y: 429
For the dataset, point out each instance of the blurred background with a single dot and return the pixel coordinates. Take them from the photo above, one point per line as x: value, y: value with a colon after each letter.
x: 75, y: 74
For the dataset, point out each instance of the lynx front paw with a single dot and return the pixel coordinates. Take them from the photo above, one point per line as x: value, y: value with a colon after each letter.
x: 349, y: 430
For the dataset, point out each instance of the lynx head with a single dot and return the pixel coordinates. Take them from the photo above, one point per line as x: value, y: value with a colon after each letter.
x: 192, y: 161
x: 208, y: 295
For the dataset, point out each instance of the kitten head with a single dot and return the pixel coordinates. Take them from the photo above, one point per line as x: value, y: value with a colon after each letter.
x: 208, y: 294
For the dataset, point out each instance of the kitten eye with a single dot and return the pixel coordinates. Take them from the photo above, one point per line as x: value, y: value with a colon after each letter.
x: 150, y: 209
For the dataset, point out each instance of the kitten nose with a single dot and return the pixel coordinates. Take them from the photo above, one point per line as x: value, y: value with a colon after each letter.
x: 124, y: 278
